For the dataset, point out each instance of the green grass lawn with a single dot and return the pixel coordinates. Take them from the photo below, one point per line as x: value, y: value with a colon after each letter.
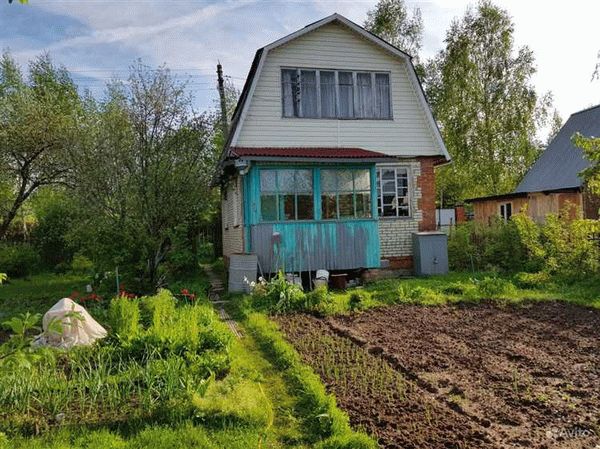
x: 37, y: 293
x: 467, y: 287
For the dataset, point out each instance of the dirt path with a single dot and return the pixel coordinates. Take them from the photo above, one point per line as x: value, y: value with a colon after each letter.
x: 479, y: 376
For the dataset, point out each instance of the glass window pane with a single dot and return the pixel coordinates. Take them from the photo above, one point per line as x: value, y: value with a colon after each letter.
x: 344, y: 180
x: 362, y: 180
x: 346, y: 205
x: 327, y: 94
x: 346, y: 90
x: 289, y: 93
x: 363, y: 204
x: 285, y: 181
x: 328, y: 206
x: 382, y: 96
x: 268, y: 181
x: 308, y: 93
x: 268, y: 207
x: 328, y: 181
x: 305, y: 207
x: 288, y: 207
x: 303, y: 182
x: 364, y: 96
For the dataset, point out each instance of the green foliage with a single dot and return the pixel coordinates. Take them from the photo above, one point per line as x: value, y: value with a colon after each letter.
x: 591, y: 149
x: 538, y: 280
x: 475, y: 246
x: 319, y: 301
x: 124, y: 317
x: 391, y: 21
x: 55, y: 214
x: 357, y: 300
x: 81, y: 265
x: 18, y: 259
x: 140, y: 373
x: 494, y: 287
x: 3, y: 278
x: 562, y: 246
x: 278, y: 295
x: 481, y: 90
x: 38, y: 127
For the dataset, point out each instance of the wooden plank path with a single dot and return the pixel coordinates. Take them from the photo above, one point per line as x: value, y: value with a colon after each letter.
x: 215, y: 291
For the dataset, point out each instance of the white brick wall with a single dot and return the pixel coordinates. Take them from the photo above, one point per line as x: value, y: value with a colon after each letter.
x: 232, y: 218
x: 395, y: 234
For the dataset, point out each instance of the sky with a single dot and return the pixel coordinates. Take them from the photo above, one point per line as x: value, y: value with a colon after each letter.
x: 99, y: 39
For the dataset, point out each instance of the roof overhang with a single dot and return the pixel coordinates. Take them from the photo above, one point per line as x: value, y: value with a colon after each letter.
x: 508, y: 196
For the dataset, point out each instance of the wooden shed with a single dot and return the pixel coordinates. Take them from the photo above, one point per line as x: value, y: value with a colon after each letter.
x: 553, y: 182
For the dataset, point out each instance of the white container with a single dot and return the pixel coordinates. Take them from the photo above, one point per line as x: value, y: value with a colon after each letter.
x: 322, y: 274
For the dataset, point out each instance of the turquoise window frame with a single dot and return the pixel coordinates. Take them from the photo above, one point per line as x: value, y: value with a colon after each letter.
x: 252, y: 198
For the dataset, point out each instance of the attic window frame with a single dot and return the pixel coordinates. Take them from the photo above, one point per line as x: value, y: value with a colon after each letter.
x: 297, y: 112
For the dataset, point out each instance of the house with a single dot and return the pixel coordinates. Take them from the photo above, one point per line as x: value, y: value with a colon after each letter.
x: 330, y: 158
x: 553, y: 182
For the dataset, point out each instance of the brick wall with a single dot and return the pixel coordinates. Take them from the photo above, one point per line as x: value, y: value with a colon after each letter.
x: 395, y: 234
x: 232, y: 218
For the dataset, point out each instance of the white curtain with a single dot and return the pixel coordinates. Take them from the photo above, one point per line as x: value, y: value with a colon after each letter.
x: 346, y: 89
x: 382, y: 96
x: 327, y: 94
x: 308, y: 93
x: 364, y: 97
x: 289, y: 89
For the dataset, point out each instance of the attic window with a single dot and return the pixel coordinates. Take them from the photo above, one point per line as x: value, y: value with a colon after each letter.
x: 313, y: 93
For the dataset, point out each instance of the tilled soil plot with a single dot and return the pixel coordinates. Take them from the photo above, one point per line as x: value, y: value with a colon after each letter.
x: 463, y: 376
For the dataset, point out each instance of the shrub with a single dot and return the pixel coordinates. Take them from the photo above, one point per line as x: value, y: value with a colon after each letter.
x: 81, y: 265
x: 457, y: 288
x: 493, y: 287
x: 476, y: 246
x: 18, y: 259
x: 532, y: 280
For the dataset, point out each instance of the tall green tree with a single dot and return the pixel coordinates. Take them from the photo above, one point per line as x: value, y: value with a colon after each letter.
x: 481, y: 91
x: 591, y: 149
x: 39, y: 118
x: 143, y: 172
x: 392, y: 21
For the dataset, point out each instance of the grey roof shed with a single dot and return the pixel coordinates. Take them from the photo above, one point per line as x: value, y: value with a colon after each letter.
x: 558, y: 167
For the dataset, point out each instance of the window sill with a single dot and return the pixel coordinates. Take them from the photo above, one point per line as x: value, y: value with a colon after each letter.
x: 330, y: 220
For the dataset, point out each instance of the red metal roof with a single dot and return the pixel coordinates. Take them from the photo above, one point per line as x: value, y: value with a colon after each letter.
x: 308, y: 152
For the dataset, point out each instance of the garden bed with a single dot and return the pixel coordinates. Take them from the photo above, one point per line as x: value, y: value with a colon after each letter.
x: 466, y: 376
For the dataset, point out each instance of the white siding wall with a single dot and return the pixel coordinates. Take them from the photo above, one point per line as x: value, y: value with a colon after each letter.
x: 231, y: 215
x: 334, y: 46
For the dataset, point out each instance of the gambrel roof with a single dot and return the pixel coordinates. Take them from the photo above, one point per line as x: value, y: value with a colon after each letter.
x: 558, y: 167
x: 261, y: 55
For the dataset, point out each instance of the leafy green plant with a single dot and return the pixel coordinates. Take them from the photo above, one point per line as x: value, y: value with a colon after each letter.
x: 320, y: 301
x: 278, y: 295
x: 357, y: 300
x: 3, y: 278
x: 124, y: 317
x: 494, y: 287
